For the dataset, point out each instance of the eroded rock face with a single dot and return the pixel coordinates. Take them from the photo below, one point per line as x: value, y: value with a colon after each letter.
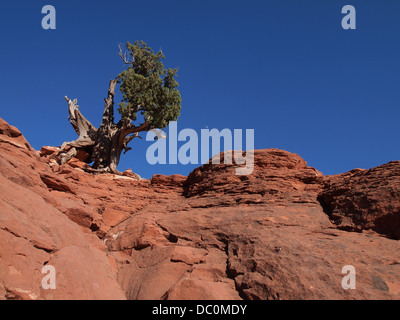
x: 34, y: 233
x: 365, y: 199
x: 211, y: 235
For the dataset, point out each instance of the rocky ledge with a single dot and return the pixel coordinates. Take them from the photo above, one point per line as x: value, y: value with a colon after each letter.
x: 283, y: 232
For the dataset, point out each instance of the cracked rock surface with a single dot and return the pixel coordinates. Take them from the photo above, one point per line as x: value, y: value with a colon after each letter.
x: 283, y: 232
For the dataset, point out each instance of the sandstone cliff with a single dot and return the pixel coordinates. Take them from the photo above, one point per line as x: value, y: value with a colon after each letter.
x: 283, y: 232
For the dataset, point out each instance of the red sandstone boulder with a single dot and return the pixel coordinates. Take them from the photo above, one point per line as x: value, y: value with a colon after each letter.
x: 76, y: 163
x: 11, y: 135
x: 82, y: 156
x: 130, y: 173
x: 365, y: 199
x: 47, y: 151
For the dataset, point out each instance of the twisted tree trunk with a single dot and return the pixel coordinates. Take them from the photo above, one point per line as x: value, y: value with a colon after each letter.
x: 105, y: 144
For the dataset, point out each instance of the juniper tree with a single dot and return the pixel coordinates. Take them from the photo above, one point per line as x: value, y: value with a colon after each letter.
x: 150, y: 99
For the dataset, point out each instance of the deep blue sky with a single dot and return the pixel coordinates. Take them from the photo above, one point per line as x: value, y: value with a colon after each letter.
x: 284, y: 68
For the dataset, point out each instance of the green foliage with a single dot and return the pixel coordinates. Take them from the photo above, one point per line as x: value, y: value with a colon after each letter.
x: 148, y: 88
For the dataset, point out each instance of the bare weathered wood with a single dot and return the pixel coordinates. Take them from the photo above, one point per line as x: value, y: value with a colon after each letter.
x: 81, y: 125
x: 106, y: 143
x: 108, y: 113
x: 103, y: 148
x: 124, y: 56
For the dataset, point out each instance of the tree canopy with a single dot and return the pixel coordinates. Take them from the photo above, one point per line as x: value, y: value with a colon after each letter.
x: 148, y: 87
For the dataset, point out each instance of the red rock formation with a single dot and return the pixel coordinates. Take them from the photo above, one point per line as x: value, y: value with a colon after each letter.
x: 365, y: 199
x: 33, y: 232
x: 212, y: 235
